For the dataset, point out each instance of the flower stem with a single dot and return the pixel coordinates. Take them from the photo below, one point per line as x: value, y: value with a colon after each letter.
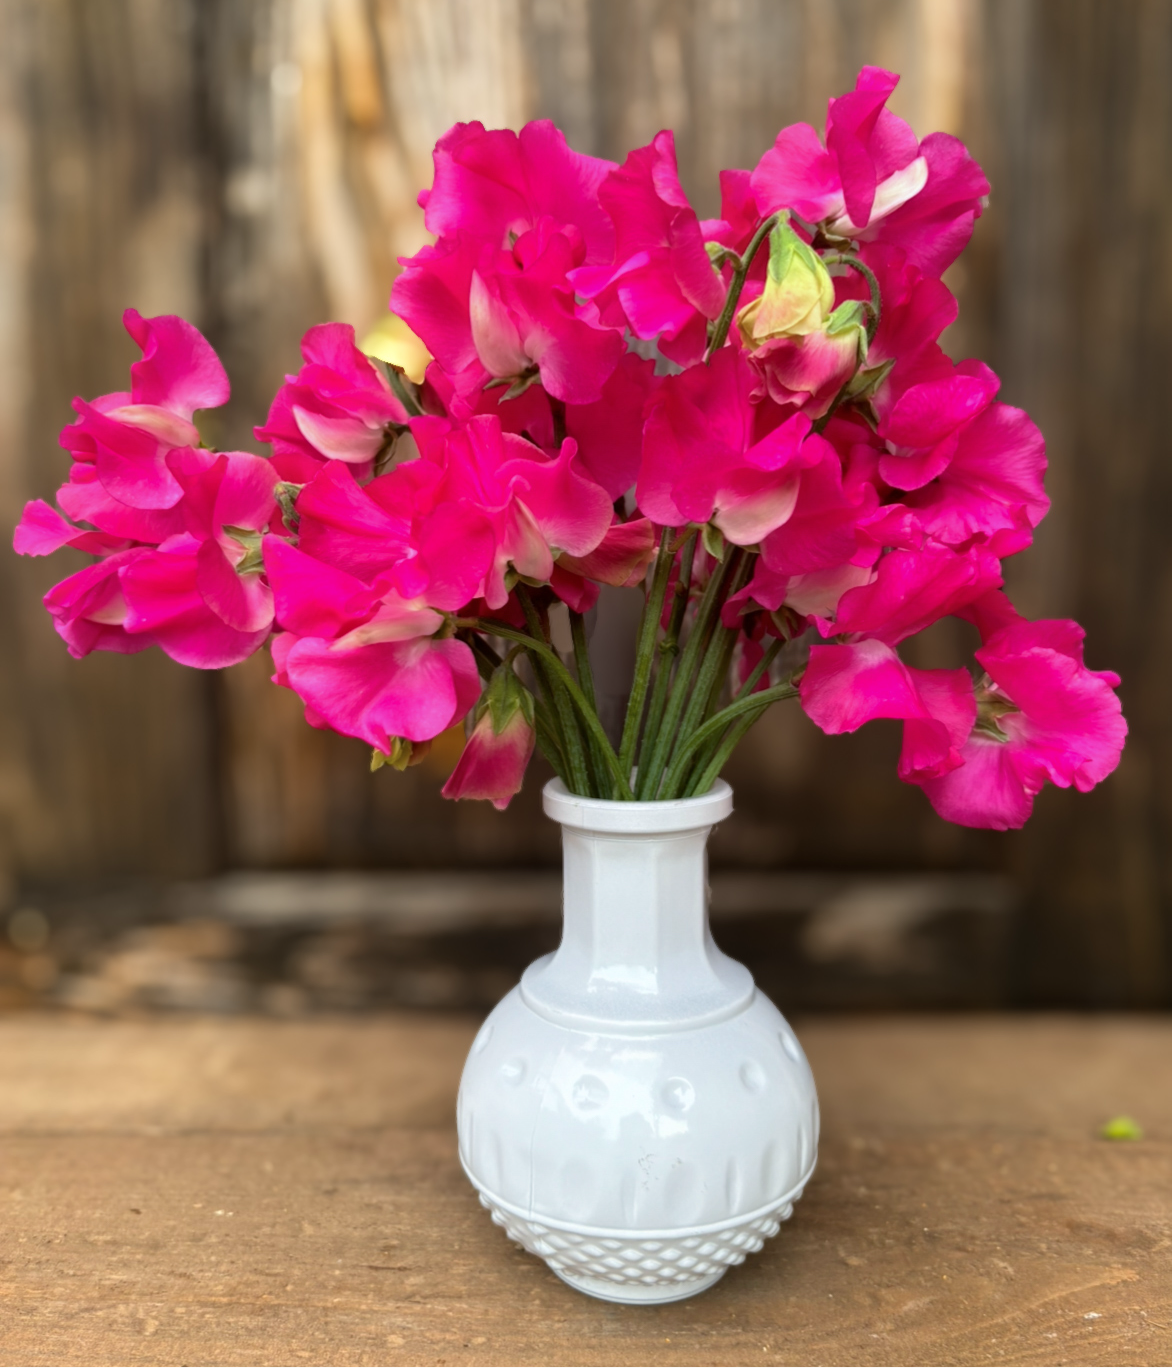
x: 586, y: 684
x: 571, y: 736
x: 736, y: 285
x: 693, y: 652
x: 556, y: 668
x: 645, y: 650
x: 668, y: 648
x: 715, y: 726
x: 714, y: 663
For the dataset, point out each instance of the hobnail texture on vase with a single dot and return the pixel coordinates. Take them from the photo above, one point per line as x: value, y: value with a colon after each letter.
x: 627, y: 1267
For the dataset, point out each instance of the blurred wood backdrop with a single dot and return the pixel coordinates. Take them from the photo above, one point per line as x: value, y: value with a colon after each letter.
x: 253, y: 165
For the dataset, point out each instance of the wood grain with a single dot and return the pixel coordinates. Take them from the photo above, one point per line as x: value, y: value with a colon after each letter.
x: 253, y: 163
x: 252, y: 1192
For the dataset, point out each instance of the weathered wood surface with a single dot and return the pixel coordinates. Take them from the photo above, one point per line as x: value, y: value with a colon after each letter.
x: 253, y: 163
x: 247, y: 1192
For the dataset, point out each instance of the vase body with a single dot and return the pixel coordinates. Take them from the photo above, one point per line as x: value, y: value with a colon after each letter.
x: 635, y: 1112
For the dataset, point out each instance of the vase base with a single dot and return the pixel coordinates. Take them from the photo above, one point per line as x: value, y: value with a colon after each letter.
x: 631, y: 1294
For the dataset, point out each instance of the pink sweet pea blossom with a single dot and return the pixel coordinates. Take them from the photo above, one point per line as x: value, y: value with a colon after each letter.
x: 874, y: 180
x: 412, y: 688
x: 708, y: 454
x: 498, y: 751
x: 198, y: 593
x: 126, y: 437
x: 496, y: 185
x: 538, y: 506
x: 662, y: 283
x: 1041, y: 715
x: 491, y: 313
x: 845, y: 686
x: 337, y: 407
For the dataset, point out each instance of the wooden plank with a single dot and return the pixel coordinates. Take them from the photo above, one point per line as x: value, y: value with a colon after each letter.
x: 256, y: 1193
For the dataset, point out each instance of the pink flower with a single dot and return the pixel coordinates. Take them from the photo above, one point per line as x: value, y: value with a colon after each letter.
x: 609, y: 432
x: 709, y: 453
x: 539, y: 507
x: 497, y: 753
x: 198, y: 594
x: 337, y: 407
x: 126, y: 437
x: 491, y: 313
x: 1041, y: 715
x: 910, y: 590
x: 921, y: 422
x: 991, y: 490
x: 662, y: 282
x: 496, y: 185
x: 874, y: 180
x: 414, y: 688
x: 845, y: 686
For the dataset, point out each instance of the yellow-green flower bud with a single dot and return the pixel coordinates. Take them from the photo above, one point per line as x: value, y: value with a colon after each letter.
x: 798, y: 295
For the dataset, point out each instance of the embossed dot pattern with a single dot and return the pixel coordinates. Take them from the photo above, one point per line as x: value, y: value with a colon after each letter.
x: 677, y: 1094
x: 480, y: 1044
x: 513, y: 1071
x: 648, y: 1263
x: 753, y: 1076
x: 789, y: 1045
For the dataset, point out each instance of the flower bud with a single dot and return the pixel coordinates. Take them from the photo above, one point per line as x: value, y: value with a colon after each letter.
x: 497, y: 752
x: 798, y: 295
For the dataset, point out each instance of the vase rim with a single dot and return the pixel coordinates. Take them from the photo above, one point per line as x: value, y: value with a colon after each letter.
x: 611, y: 815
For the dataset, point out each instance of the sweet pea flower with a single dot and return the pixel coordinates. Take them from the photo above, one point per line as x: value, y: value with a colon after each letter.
x: 337, y: 407
x: 707, y: 459
x: 539, y: 507
x: 874, y: 180
x: 495, y: 186
x: 126, y: 437
x: 803, y: 347
x: 662, y: 283
x: 1041, y: 715
x: 844, y: 687
x: 489, y: 313
x: 363, y: 659
x: 497, y: 753
x: 609, y: 432
x: 198, y: 594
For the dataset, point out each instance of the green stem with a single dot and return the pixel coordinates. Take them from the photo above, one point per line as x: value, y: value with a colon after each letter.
x: 668, y: 648
x: 575, y: 752
x: 705, y: 754
x: 645, y: 650
x: 693, y: 652
x: 554, y: 664
x: 714, y: 662
x: 707, y: 774
x: 716, y: 725
x: 846, y: 259
x: 736, y: 285
x: 548, y: 743
x: 586, y: 683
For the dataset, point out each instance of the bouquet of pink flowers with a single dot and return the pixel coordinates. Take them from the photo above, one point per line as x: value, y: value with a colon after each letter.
x: 750, y: 417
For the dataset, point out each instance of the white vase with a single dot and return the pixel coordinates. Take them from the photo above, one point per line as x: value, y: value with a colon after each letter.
x: 635, y: 1111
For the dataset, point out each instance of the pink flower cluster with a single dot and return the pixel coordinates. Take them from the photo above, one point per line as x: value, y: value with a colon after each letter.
x: 759, y: 403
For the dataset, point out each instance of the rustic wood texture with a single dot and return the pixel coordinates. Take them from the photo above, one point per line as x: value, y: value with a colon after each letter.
x: 248, y: 1192
x: 253, y: 164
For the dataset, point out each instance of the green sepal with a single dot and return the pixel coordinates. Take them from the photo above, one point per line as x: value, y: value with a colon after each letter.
x: 252, y: 562
x: 713, y: 539
x: 399, y: 758
x: 504, y: 695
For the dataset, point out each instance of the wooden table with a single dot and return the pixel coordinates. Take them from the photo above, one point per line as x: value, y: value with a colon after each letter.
x: 240, y: 1191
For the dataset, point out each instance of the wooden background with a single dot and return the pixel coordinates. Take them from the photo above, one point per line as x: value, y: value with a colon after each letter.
x: 253, y: 164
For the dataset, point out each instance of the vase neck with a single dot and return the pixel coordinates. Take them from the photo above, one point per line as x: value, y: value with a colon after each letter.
x: 636, y: 950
